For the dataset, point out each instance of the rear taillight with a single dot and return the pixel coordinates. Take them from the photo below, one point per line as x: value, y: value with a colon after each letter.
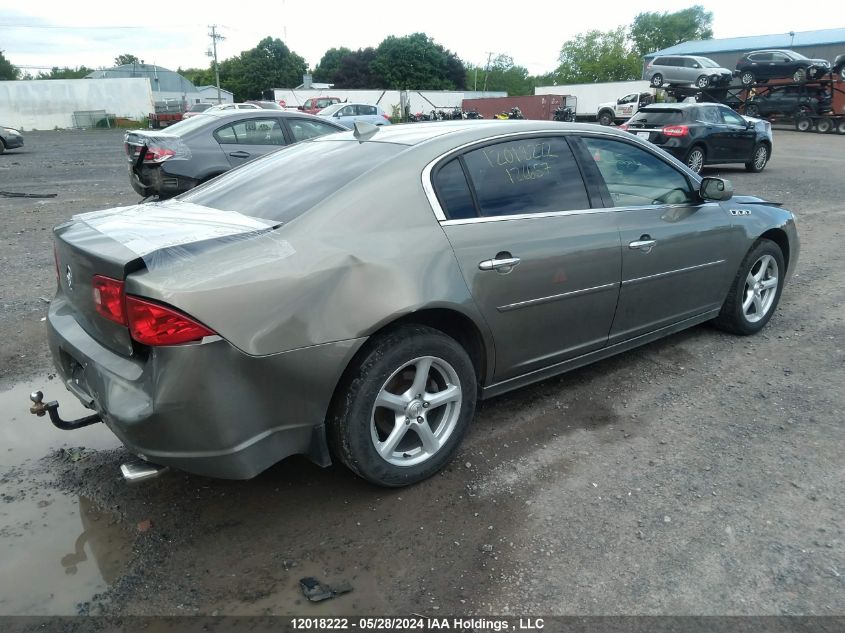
x: 109, y: 299
x: 56, y: 261
x: 154, y: 324
x: 675, y: 130
x: 158, y: 154
x: 623, y: 126
x: 386, y: 117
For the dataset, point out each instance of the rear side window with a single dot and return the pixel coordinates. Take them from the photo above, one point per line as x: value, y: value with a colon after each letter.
x: 366, y: 110
x: 533, y: 175
x: 709, y: 114
x: 285, y: 184
x: 659, y: 61
x: 453, y: 191
x: 663, y: 116
x: 251, y: 132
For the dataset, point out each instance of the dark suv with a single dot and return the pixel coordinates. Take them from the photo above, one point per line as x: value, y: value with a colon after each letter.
x: 168, y: 162
x: 785, y: 100
x: 777, y: 64
x: 704, y: 134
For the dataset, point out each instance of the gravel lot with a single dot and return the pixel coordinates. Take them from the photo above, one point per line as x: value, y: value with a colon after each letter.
x: 702, y: 474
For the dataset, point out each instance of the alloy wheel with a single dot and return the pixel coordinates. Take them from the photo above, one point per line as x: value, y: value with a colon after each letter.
x: 416, y: 411
x: 761, y: 286
x: 695, y: 160
x: 761, y: 157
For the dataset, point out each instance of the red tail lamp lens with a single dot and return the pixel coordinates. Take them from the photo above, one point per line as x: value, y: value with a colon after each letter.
x: 109, y: 299
x: 155, y: 324
x: 675, y: 130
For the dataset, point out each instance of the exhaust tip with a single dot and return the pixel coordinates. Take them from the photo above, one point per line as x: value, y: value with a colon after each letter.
x: 141, y: 471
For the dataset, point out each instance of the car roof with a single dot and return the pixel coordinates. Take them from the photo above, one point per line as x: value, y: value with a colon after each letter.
x: 467, y: 130
x: 256, y: 113
x: 670, y: 106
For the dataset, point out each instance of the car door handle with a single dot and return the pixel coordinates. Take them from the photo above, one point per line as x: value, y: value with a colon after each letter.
x: 240, y: 154
x: 504, y: 264
x: 644, y: 244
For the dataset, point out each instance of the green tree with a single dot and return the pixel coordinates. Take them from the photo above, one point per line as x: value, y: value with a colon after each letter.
x: 653, y: 31
x: 355, y: 70
x: 269, y: 65
x: 417, y: 62
x: 501, y: 75
x: 7, y: 69
x: 598, y: 56
x: 330, y: 64
x: 79, y: 72
x: 198, y: 76
x: 126, y: 58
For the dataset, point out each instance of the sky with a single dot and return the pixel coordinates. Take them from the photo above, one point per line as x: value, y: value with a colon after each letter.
x: 48, y: 33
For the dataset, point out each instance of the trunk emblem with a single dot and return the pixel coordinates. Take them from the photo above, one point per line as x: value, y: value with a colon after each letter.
x: 69, y: 277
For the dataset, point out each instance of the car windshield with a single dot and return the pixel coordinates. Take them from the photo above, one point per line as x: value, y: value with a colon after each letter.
x: 794, y: 55
x: 285, y: 184
x: 331, y: 109
x: 707, y: 63
x: 661, y: 116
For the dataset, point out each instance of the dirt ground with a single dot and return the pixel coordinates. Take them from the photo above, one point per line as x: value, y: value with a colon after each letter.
x: 702, y: 474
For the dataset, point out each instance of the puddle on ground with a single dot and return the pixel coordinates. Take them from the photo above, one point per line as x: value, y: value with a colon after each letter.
x: 56, y: 549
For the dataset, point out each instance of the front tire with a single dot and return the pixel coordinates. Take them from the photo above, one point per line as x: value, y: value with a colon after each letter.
x: 606, y: 117
x: 695, y: 159
x: 2, y: 146
x: 755, y: 292
x: 799, y: 76
x: 752, y: 110
x: 759, y: 158
x: 747, y: 78
x: 702, y: 82
x: 403, y: 407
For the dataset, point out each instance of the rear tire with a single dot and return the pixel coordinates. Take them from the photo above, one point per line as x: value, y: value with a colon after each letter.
x: 695, y: 158
x: 752, y: 110
x: 759, y: 158
x: 657, y: 80
x: 823, y: 126
x: 377, y: 425
x: 840, y: 128
x: 2, y: 146
x: 803, y: 123
x: 755, y: 291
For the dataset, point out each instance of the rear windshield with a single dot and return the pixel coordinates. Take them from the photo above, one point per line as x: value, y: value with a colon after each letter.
x: 186, y: 126
x: 200, y: 107
x: 286, y: 183
x: 658, y: 117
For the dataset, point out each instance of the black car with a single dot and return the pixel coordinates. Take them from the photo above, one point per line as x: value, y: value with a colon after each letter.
x: 760, y: 66
x: 839, y: 66
x: 785, y: 100
x: 704, y: 134
x: 168, y: 162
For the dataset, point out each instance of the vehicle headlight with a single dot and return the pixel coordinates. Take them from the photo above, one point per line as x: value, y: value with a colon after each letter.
x: 12, y: 131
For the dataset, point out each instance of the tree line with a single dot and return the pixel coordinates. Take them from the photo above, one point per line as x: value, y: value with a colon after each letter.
x: 417, y: 62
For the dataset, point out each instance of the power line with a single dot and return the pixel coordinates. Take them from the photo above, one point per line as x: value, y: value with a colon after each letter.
x: 77, y: 27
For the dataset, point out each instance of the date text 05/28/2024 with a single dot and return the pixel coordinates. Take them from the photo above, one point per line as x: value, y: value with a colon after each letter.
x: 418, y: 623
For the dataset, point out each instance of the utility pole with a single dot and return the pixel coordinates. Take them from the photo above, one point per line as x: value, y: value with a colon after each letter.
x: 215, y: 36
x: 487, y: 70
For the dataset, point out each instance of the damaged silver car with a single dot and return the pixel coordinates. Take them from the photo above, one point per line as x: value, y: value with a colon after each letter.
x: 352, y: 296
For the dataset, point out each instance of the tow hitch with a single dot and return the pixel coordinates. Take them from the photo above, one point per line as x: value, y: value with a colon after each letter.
x: 52, y: 408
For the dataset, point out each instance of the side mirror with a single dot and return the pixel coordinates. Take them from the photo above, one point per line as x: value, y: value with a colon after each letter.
x: 749, y: 125
x: 715, y: 189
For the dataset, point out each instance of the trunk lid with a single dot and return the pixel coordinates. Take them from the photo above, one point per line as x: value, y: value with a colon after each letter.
x: 117, y: 242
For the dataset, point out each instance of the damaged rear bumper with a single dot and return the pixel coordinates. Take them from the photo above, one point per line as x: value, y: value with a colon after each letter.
x: 205, y: 408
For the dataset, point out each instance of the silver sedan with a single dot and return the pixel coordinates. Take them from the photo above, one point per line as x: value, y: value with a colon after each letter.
x: 353, y: 296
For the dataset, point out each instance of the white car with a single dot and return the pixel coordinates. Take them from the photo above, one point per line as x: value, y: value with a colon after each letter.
x: 232, y: 106
x: 347, y: 114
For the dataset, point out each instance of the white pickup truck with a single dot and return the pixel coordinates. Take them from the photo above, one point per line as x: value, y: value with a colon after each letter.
x: 623, y: 108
